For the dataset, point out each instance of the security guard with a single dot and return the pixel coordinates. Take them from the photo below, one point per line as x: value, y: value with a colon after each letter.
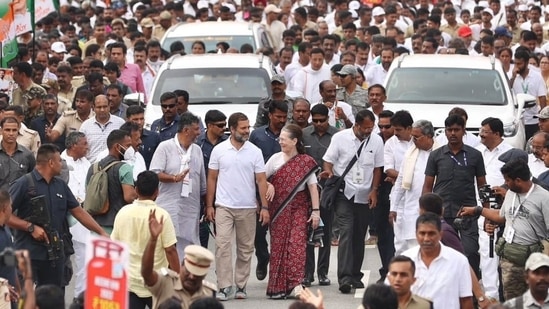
x: 27, y: 138
x: 189, y: 285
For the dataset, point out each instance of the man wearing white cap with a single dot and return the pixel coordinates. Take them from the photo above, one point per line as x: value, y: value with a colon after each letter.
x: 188, y: 285
x: 537, y: 278
x: 274, y: 27
x: 58, y: 50
x: 378, y: 14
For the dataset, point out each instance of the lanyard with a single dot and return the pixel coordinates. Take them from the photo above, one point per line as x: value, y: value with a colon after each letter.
x: 456, y: 160
x: 525, y: 89
x: 515, y: 211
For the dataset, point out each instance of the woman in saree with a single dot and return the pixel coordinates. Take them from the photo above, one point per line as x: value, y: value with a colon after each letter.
x: 294, y: 203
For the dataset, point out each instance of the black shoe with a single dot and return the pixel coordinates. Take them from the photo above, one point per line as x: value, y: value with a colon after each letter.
x: 261, y: 271
x: 345, y: 288
x: 306, y: 281
x: 323, y: 280
x: 358, y: 285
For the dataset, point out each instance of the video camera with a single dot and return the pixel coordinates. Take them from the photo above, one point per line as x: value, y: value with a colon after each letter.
x: 488, y: 195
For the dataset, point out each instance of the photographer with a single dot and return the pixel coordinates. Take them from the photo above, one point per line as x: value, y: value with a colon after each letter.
x: 525, y: 211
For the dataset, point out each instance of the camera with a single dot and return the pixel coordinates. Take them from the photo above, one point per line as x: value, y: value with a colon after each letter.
x: 487, y: 195
x: 7, y: 258
x: 462, y: 223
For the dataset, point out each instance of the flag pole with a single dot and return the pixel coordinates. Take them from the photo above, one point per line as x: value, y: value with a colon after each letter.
x: 33, y: 22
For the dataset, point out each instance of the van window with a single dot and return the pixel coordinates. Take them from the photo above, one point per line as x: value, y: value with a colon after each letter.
x: 446, y: 86
x: 215, y: 85
x: 211, y: 41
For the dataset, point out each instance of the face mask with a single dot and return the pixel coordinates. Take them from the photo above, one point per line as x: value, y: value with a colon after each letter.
x: 129, y: 154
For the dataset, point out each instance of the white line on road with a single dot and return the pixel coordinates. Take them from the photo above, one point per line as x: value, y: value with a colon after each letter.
x: 360, y: 292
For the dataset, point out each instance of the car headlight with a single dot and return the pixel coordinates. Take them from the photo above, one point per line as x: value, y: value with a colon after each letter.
x: 510, y: 129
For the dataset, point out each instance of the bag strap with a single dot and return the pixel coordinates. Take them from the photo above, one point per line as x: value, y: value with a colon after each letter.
x: 30, y: 182
x: 355, y: 158
x: 106, y: 167
x: 519, y: 303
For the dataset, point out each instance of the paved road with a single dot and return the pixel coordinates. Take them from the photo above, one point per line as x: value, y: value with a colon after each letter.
x: 332, y: 297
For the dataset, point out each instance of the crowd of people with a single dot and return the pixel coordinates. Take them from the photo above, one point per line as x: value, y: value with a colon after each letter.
x: 416, y: 194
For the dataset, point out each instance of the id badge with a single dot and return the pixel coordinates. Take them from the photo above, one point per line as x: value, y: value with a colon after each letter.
x: 358, y: 175
x: 509, y: 234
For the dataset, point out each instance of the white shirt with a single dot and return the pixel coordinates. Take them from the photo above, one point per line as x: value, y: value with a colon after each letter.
x: 347, y: 109
x: 492, y: 164
x: 534, y: 85
x: 393, y: 152
x: 291, y: 70
x: 97, y: 133
x: 237, y: 169
x: 405, y: 202
x: 78, y: 170
x: 148, y: 80
x: 468, y: 139
x: 536, y: 165
x: 307, y: 80
x: 445, y: 281
x: 375, y: 75
x: 340, y: 152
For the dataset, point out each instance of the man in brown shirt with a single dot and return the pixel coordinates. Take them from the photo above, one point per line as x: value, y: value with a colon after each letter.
x: 401, y: 277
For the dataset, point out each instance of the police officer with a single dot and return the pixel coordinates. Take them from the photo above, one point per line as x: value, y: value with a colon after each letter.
x: 189, y: 285
x: 27, y: 138
x: 71, y: 121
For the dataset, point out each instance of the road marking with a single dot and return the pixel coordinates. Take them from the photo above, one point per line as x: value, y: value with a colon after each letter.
x: 360, y: 292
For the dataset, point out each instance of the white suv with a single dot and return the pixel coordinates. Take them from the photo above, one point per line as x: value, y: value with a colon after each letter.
x: 429, y: 86
x: 226, y: 82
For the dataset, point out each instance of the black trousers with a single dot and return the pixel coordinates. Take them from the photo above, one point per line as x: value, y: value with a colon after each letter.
x: 353, y: 219
x: 137, y: 302
x: 261, y: 246
x: 385, y: 233
x: 323, y: 252
x: 44, y: 273
x: 469, y: 240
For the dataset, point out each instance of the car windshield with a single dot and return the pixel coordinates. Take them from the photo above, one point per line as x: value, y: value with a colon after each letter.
x: 446, y: 86
x: 215, y: 85
x: 235, y: 41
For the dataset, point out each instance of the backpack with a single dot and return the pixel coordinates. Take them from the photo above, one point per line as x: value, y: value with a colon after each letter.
x: 97, y: 190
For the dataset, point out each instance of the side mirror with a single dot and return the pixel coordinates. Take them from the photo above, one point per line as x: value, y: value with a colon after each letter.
x: 527, y: 99
x: 137, y: 98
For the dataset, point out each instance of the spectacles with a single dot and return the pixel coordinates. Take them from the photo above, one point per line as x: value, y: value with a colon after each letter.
x: 220, y: 125
x: 417, y: 138
x: 485, y: 132
x: 168, y: 106
x: 387, y: 126
x: 319, y: 120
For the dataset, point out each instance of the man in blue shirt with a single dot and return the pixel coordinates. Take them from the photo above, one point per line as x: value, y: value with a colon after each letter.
x: 167, y: 125
x: 43, y: 184
x: 149, y: 139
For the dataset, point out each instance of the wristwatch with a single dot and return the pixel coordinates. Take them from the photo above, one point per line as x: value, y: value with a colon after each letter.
x: 30, y: 228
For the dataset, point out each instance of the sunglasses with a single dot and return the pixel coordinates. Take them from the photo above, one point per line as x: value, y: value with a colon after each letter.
x: 220, y: 125
x: 319, y: 120
x: 387, y: 126
x: 168, y: 106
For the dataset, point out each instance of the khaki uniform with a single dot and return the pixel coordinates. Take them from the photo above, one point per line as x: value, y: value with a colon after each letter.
x: 70, y: 122
x: 158, y: 32
x: 452, y: 31
x: 169, y: 285
x: 28, y: 138
x: 20, y: 96
x: 69, y: 95
x: 64, y: 105
x: 94, y: 41
x: 78, y: 81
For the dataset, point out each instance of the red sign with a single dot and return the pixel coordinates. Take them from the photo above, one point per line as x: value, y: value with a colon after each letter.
x: 107, y: 283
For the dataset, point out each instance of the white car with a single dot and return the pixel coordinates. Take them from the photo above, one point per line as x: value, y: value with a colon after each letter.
x: 429, y: 86
x: 233, y: 33
x: 226, y: 82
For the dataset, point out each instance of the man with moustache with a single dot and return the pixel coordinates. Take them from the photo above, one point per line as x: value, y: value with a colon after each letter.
x: 451, y: 172
x: 537, y: 278
x: 301, y: 112
x: 442, y: 274
x: 351, y: 93
x: 353, y: 206
x: 71, y: 121
x: 278, y: 89
x: 235, y: 167
x: 377, y: 73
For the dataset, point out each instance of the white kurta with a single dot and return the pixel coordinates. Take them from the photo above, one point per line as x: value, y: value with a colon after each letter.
x: 184, y: 211
x: 405, y: 202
